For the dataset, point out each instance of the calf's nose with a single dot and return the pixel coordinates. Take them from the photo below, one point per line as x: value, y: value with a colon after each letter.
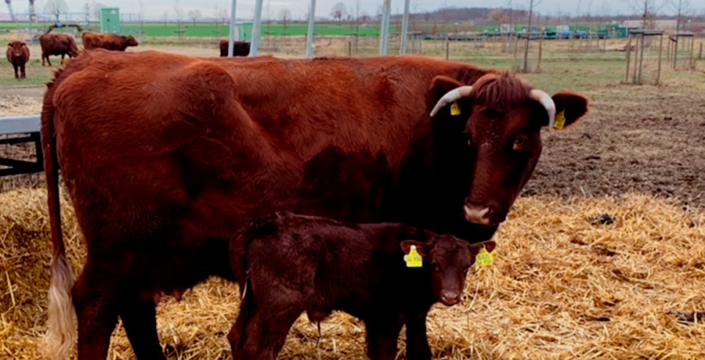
x: 450, y: 298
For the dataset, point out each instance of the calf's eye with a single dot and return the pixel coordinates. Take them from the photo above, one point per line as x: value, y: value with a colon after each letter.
x: 520, y: 142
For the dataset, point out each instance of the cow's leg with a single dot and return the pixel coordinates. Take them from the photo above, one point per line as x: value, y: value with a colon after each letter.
x: 139, y: 317
x: 260, y: 333
x: 382, y: 335
x: 48, y: 61
x: 17, y: 76
x: 417, y: 347
x: 95, y: 303
x: 24, y: 75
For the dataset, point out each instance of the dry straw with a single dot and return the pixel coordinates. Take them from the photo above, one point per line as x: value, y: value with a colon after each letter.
x: 565, y: 286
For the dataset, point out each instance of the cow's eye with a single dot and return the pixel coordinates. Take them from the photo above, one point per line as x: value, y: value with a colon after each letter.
x: 520, y: 142
x: 436, y: 267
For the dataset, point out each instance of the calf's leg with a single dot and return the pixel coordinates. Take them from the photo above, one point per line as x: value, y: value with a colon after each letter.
x: 417, y: 347
x: 382, y: 335
x: 140, y: 320
x: 260, y: 333
x: 17, y: 76
x: 24, y: 75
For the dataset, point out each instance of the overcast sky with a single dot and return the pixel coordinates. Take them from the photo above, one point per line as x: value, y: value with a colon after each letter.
x: 245, y: 8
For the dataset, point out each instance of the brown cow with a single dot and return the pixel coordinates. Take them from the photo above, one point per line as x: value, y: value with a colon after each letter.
x: 315, y: 265
x: 57, y: 44
x: 165, y: 156
x: 18, y: 56
x: 240, y: 48
x: 114, y: 42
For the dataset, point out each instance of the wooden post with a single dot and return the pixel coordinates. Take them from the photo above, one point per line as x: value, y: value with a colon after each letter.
x: 629, y: 57
x: 350, y: 48
x: 636, y: 58
x: 447, y: 47
x: 538, y: 66
x: 692, y: 52
x: 660, y: 51
x: 668, y: 52
x: 516, y: 50
x: 641, y: 58
x: 700, y: 57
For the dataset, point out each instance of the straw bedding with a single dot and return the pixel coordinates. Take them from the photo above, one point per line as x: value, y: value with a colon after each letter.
x: 567, y: 284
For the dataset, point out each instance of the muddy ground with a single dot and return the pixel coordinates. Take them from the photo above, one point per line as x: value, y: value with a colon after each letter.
x: 644, y: 139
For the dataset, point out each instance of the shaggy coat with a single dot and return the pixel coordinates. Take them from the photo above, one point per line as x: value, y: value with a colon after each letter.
x: 113, y: 42
x: 57, y: 45
x: 240, y: 48
x: 18, y: 56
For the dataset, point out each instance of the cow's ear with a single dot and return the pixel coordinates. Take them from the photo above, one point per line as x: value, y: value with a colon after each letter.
x: 475, y: 248
x: 407, y: 244
x: 24, y: 44
x: 570, y: 108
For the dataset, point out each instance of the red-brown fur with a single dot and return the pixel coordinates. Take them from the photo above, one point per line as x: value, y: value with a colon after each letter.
x: 57, y: 44
x: 107, y: 41
x: 191, y: 148
x: 315, y: 265
x: 18, y: 56
x: 240, y: 48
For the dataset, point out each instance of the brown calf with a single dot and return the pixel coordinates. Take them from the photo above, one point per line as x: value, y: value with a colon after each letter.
x: 240, y: 48
x: 315, y: 265
x: 113, y: 42
x: 57, y: 44
x: 18, y: 56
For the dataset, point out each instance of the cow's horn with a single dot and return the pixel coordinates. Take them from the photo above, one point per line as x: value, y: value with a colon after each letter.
x: 548, y: 103
x: 451, y: 97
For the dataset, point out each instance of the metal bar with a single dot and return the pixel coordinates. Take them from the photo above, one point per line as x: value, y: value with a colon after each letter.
x: 311, y: 24
x: 20, y: 124
x: 20, y: 171
x: 17, y: 140
x: 256, y: 29
x: 233, y: 25
x: 384, y: 31
x: 17, y: 163
x: 405, y: 28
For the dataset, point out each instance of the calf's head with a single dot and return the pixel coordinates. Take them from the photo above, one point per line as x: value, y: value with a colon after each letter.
x: 130, y: 40
x: 449, y: 259
x: 494, y: 127
x: 16, y: 48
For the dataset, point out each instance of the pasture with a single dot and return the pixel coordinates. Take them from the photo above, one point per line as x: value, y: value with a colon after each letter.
x: 602, y: 257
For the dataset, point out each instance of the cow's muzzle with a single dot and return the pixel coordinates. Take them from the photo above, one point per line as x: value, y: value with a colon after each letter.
x: 483, y: 215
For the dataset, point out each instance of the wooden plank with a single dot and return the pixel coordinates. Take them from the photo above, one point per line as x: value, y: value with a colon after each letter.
x: 20, y: 124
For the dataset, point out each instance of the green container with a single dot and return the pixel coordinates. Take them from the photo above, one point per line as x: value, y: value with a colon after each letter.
x: 110, y: 20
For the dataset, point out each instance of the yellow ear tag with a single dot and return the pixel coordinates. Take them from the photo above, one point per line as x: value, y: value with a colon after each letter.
x: 455, y: 109
x: 560, y: 120
x: 413, y: 259
x: 484, y: 258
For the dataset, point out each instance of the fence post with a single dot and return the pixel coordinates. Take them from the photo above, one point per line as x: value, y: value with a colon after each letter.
x: 629, y: 57
x: 447, y: 47
x: 231, y: 40
x: 309, y: 36
x: 660, y: 51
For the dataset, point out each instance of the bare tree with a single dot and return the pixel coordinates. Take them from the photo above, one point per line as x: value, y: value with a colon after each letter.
x: 97, y: 8
x: 647, y: 9
x: 194, y: 15
x: 285, y: 16
x: 56, y: 7
x: 179, y: 12
x: 532, y: 3
x: 338, y: 12
x: 165, y: 16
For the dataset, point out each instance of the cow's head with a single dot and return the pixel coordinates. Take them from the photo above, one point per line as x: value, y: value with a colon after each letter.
x: 449, y: 259
x: 130, y: 41
x: 496, y: 126
x: 16, y: 48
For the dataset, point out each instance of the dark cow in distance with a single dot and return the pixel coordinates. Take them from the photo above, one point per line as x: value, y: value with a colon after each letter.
x: 57, y: 45
x: 108, y: 41
x: 315, y: 265
x: 162, y: 151
x: 18, y: 56
x: 240, y: 48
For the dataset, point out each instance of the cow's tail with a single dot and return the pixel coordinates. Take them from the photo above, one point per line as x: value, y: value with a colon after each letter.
x: 60, y: 324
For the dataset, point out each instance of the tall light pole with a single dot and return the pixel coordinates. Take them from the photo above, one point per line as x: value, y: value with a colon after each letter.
x: 231, y: 38
x: 405, y: 28
x: 256, y: 29
x: 384, y: 31
x: 311, y: 23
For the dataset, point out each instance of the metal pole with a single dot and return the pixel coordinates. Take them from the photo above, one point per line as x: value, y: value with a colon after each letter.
x: 231, y: 39
x: 309, y: 37
x: 256, y: 27
x: 384, y: 31
x: 405, y: 28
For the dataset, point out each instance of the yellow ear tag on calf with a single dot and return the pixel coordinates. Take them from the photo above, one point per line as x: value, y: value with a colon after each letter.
x: 484, y: 258
x: 560, y: 120
x: 413, y: 259
x: 455, y: 109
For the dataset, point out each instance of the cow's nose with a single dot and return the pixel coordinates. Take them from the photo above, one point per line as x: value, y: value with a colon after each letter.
x: 480, y: 214
x: 450, y: 298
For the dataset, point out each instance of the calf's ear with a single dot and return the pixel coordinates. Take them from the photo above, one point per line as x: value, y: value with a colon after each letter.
x: 407, y: 244
x: 489, y: 245
x: 570, y: 107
